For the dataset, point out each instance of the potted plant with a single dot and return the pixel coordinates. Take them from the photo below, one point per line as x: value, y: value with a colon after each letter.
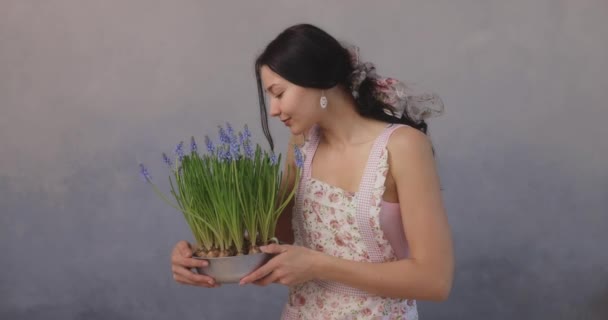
x: 231, y: 198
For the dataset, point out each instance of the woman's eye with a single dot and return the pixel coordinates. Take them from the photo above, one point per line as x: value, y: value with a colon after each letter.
x: 279, y: 95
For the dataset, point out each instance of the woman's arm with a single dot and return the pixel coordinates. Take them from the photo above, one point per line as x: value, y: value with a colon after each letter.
x: 427, y: 273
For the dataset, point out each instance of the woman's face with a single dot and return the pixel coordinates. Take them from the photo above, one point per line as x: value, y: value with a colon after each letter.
x: 297, y: 107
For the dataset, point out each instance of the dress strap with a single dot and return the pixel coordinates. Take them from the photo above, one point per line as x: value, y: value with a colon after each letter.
x: 310, y: 147
x: 365, y: 195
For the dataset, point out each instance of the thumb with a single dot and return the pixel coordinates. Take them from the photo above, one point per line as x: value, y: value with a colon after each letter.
x: 273, y: 248
x: 186, y: 250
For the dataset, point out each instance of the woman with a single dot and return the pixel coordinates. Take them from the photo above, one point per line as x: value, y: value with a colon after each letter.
x: 368, y: 227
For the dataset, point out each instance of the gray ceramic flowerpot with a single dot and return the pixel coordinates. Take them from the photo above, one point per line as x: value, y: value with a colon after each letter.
x: 232, y: 269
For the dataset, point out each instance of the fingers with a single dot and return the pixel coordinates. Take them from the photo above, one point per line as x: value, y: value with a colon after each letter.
x: 268, y: 268
x: 256, y: 275
x: 186, y: 276
x: 270, y: 278
x: 182, y: 256
x: 182, y: 262
x: 259, y: 273
x: 189, y: 262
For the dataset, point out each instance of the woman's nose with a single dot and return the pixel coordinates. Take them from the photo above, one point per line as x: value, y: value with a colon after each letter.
x: 275, y: 111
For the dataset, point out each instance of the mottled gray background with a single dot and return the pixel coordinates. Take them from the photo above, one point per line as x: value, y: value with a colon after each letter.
x: 90, y: 88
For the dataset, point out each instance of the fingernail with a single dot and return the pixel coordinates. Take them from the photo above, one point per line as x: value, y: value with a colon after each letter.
x: 210, y: 282
x: 204, y: 263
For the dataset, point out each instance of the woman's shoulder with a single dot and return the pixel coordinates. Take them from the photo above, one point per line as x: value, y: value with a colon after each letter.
x: 410, y: 157
x: 406, y: 141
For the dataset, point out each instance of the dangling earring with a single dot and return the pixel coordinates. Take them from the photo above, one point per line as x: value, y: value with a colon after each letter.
x: 323, y: 100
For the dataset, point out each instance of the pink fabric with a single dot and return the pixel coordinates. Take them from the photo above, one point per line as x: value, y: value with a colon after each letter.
x: 392, y: 226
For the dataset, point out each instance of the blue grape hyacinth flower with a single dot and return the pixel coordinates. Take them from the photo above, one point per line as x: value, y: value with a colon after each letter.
x: 193, y: 146
x: 179, y: 150
x: 299, y: 157
x: 144, y: 173
x: 167, y: 160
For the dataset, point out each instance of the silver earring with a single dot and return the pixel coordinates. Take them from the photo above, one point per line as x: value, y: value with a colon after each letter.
x: 323, y: 101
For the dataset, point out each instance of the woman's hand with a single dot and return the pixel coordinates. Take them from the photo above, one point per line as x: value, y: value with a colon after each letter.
x: 292, y: 265
x: 181, y: 264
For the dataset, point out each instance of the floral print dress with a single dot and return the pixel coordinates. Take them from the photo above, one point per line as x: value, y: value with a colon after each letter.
x: 346, y: 225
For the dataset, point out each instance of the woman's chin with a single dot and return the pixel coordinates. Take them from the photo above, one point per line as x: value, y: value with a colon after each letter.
x: 295, y: 130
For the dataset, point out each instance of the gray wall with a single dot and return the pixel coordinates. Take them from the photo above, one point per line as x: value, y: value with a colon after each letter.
x: 90, y: 88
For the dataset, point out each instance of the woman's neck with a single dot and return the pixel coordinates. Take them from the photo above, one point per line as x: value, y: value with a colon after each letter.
x: 342, y: 126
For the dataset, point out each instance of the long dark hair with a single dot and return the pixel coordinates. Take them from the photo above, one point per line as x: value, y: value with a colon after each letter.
x: 309, y: 57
